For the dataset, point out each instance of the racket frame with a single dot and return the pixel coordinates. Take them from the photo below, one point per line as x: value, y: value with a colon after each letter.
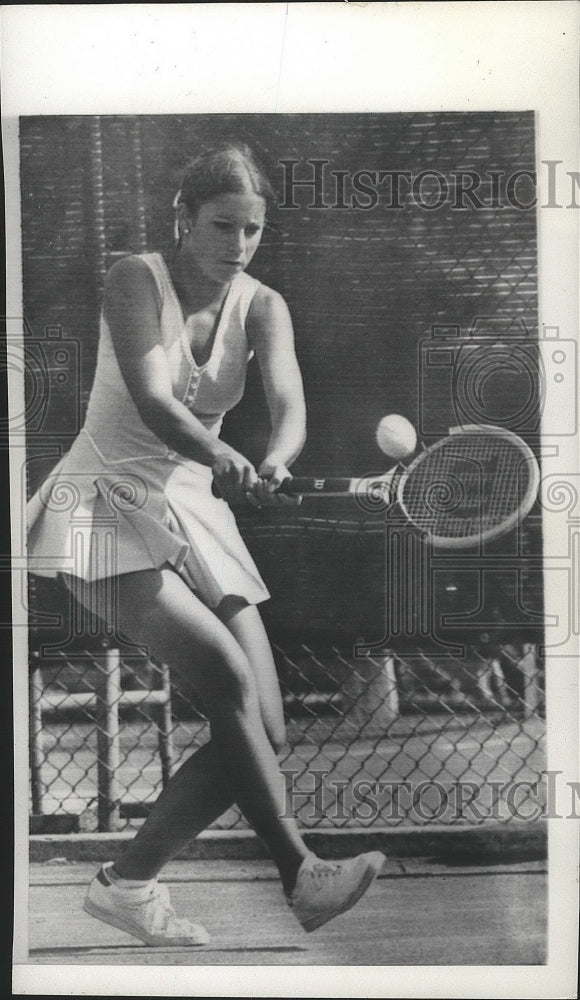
x: 393, y: 484
x: 497, y: 530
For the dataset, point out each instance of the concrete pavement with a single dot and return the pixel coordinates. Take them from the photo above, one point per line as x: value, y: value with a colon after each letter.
x: 417, y: 913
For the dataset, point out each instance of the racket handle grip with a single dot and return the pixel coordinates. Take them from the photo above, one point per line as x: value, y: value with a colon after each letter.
x: 294, y: 485
x: 287, y: 486
x: 290, y: 486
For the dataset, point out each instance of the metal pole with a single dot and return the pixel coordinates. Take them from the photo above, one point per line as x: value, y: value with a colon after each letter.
x: 371, y: 694
x: 165, y: 727
x: 108, y: 697
x: 35, y: 685
x: 529, y: 668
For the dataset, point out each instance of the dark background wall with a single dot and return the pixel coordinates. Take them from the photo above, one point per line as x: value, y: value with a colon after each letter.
x: 365, y: 286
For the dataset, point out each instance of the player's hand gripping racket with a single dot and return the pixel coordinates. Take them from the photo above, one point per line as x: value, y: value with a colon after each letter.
x: 472, y: 486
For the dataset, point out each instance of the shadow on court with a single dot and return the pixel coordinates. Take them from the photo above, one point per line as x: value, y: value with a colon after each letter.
x: 415, y: 914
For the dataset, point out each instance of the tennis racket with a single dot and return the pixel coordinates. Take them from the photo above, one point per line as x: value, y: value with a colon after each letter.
x: 472, y: 486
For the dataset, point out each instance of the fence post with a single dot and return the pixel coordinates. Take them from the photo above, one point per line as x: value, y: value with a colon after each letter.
x: 371, y: 693
x: 108, y: 691
x: 35, y: 684
x: 165, y: 727
x: 529, y: 668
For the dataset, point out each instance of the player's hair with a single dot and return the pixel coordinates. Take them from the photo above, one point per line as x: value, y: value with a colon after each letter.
x: 230, y: 168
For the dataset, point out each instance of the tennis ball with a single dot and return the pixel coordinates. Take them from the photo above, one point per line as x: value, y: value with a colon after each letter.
x: 396, y: 437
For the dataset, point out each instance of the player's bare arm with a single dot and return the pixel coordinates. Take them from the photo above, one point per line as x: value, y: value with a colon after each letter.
x: 271, y: 335
x: 131, y: 307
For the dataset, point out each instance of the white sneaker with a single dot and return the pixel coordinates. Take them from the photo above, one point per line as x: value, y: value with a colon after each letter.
x: 145, y: 913
x: 324, y: 889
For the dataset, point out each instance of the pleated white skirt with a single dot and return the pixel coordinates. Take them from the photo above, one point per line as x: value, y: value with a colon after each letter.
x: 94, y: 519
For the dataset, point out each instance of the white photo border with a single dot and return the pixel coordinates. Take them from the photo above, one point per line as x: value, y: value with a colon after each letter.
x: 304, y: 57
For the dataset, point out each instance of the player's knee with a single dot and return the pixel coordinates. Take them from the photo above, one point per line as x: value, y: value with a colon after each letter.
x: 234, y: 681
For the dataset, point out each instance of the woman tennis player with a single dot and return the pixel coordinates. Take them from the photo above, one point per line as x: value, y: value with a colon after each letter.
x: 176, y: 336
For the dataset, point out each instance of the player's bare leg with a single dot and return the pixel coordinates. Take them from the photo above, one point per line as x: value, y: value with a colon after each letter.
x: 198, y: 792
x: 159, y: 609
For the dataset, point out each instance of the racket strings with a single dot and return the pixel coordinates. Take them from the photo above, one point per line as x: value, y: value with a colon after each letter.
x: 466, y: 486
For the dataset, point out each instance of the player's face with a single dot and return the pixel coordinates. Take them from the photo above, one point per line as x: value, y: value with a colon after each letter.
x: 225, y: 235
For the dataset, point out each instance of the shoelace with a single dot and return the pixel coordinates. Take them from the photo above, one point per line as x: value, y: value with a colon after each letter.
x: 324, y: 870
x: 163, y: 912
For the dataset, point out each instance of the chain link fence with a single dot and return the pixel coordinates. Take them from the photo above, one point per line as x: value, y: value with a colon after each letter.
x: 386, y: 741
x: 377, y: 735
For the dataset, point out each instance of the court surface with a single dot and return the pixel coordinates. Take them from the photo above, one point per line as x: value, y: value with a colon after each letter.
x: 417, y: 913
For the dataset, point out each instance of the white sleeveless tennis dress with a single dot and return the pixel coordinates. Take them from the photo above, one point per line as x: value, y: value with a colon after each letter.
x: 120, y: 500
